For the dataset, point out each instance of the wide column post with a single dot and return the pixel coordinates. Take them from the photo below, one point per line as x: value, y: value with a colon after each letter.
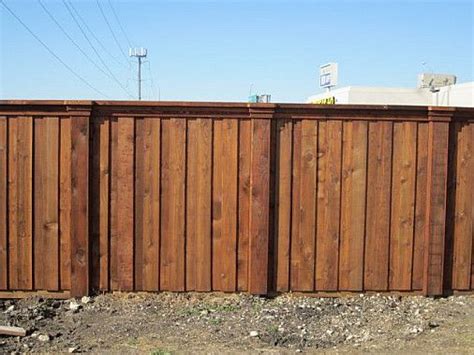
x: 261, y: 117
x: 437, y: 176
x: 80, y: 249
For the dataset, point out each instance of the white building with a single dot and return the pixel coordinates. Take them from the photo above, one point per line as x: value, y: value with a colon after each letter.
x: 461, y: 95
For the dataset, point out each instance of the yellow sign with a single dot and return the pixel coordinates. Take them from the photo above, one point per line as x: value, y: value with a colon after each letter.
x: 326, y: 101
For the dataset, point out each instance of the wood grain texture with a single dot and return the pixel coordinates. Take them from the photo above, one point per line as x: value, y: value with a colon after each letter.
x: 436, y: 208
x: 46, y: 221
x: 305, y: 151
x: 224, y: 205
x: 283, y: 203
x: 464, y: 206
x: 147, y: 204
x: 378, y: 206
x: 65, y: 203
x: 420, y: 206
x: 329, y: 205
x: 123, y: 209
x: 353, y: 202
x: 259, y: 206
x: 403, y: 205
x: 173, y: 205
x: 80, y: 248
x: 245, y: 155
x: 198, y: 205
x: 3, y: 203
x: 99, y: 204
x: 20, y: 209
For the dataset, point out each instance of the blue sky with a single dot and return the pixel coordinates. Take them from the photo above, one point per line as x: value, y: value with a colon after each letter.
x: 215, y: 50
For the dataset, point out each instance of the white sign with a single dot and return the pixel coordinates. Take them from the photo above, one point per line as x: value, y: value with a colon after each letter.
x: 328, y: 75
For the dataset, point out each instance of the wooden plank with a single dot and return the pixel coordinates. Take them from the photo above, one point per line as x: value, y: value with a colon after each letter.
x: 436, y: 208
x: 80, y: 283
x: 13, y: 331
x: 403, y: 205
x: 3, y: 203
x: 224, y: 205
x: 329, y: 201
x: 147, y: 205
x: 304, y: 206
x: 463, y: 221
x: 245, y: 154
x: 20, y: 193
x: 378, y: 206
x: 173, y: 205
x: 114, y: 232
x: 65, y: 205
x: 46, y: 222
x: 104, y: 200
x: 122, y: 209
x: 283, y: 203
x: 354, y: 176
x: 198, y: 205
x: 420, y: 206
x: 259, y: 206
x: 30, y: 294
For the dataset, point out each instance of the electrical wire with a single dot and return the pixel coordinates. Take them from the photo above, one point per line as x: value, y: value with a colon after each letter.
x: 110, y: 28
x: 114, y: 78
x: 51, y: 51
x: 104, y: 48
x: 153, y: 89
x: 51, y: 16
x: 120, y: 24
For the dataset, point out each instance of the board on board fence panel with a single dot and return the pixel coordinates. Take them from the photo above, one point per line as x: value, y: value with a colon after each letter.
x: 353, y: 201
x: 3, y: 204
x: 284, y: 149
x: 65, y: 202
x: 224, y: 205
x: 463, y: 228
x: 46, y: 221
x: 305, y: 135
x: 420, y: 206
x: 245, y: 146
x: 379, y: 175
x: 173, y: 179
x: 403, y: 205
x: 198, y: 205
x: 121, y: 233
x: 328, y: 205
x: 147, y: 204
x: 20, y: 175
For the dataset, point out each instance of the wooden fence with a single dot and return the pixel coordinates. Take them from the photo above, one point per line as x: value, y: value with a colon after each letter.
x: 261, y: 198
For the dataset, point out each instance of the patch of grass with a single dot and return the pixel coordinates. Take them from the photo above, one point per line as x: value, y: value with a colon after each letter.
x: 160, y: 352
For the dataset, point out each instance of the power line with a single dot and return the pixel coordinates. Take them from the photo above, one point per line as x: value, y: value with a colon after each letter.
x: 104, y: 48
x: 51, y: 51
x: 95, y: 50
x: 110, y: 28
x: 153, y: 89
x: 120, y: 24
x: 72, y: 40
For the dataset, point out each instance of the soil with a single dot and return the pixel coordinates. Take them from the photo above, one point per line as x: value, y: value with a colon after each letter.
x: 190, y: 322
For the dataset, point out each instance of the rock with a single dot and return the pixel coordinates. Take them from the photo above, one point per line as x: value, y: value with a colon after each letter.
x: 74, y: 306
x: 253, y: 333
x: 9, y: 309
x: 85, y: 299
x: 204, y: 312
x: 44, y: 338
x: 72, y: 350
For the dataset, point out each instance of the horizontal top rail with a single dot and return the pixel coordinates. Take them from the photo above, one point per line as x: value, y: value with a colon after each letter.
x: 182, y: 109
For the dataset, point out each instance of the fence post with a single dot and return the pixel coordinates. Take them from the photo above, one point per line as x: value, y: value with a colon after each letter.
x: 80, y: 250
x: 435, y: 228
x: 261, y: 118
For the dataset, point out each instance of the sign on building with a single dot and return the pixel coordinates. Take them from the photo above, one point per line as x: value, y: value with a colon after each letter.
x: 328, y: 75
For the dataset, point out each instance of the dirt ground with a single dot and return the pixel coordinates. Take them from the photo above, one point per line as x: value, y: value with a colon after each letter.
x: 213, y: 323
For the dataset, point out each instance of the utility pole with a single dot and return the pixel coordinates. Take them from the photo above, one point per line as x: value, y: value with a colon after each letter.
x: 139, y: 53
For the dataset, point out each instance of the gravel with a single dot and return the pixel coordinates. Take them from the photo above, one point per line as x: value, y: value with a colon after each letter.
x: 164, y: 322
